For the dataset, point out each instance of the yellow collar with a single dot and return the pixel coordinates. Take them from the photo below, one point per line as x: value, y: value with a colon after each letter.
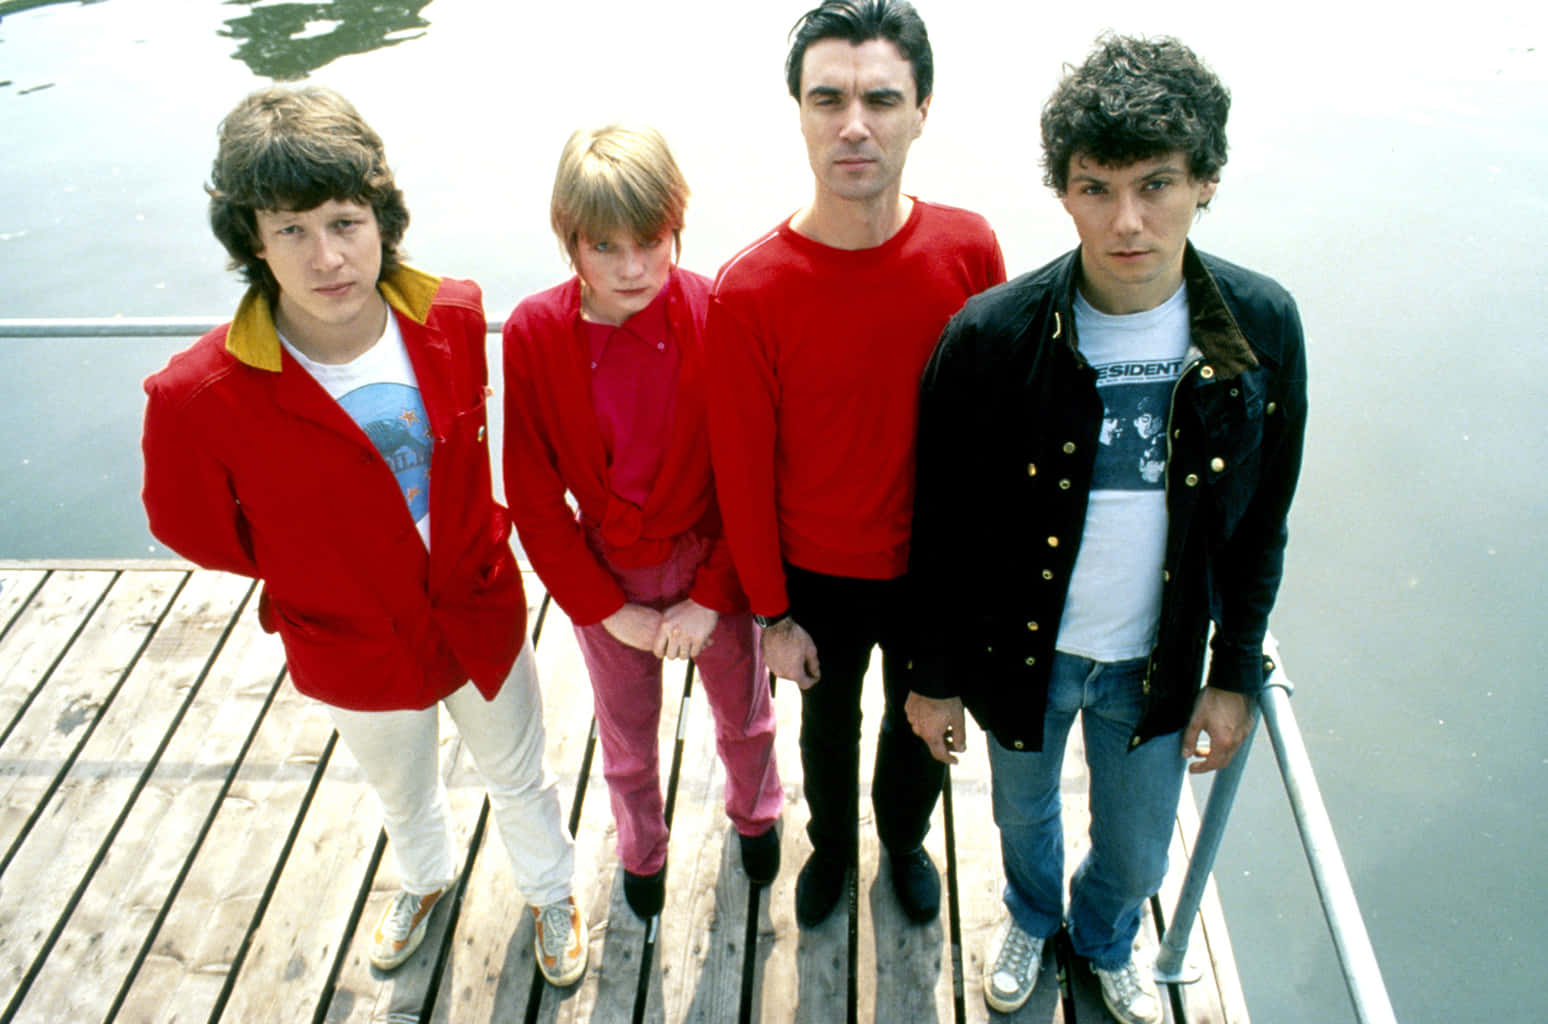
x: 253, y: 339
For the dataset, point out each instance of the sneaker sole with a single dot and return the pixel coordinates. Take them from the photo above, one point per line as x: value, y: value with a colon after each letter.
x: 1000, y: 1005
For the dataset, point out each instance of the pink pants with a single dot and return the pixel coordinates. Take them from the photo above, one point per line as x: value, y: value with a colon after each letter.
x: 626, y: 688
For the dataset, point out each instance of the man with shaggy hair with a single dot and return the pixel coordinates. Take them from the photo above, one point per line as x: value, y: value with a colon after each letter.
x: 331, y: 442
x: 817, y: 333
x: 1133, y: 412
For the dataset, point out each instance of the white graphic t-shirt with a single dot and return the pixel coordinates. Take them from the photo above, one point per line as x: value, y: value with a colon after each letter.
x: 1114, y: 601
x: 380, y: 392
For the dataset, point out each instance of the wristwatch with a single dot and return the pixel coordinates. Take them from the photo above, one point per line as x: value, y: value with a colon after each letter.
x: 768, y: 620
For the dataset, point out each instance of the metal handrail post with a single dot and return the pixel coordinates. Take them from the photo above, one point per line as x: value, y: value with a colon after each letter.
x: 1171, y: 960
x: 1356, y: 957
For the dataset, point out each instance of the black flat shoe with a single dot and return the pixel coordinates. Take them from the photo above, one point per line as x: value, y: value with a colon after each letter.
x: 645, y: 894
x: 818, y: 888
x: 760, y: 856
x: 917, y: 884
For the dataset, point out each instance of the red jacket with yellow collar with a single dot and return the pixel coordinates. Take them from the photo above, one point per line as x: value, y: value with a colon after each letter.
x: 251, y: 467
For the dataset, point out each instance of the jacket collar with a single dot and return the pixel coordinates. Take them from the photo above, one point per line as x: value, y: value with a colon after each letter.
x: 253, y: 339
x: 1214, y: 329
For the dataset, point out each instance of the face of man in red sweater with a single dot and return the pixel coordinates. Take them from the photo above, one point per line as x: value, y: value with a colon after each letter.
x: 859, y: 116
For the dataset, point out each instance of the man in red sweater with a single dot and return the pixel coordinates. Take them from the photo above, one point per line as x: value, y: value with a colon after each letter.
x: 817, y: 334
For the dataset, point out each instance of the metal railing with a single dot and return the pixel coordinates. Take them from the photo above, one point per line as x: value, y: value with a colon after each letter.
x: 1362, y: 974
x: 128, y: 327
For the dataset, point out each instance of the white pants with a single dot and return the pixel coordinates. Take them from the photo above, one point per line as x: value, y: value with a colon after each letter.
x: 397, y: 752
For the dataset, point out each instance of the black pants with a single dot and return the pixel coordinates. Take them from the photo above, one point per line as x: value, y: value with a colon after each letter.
x: 846, y: 618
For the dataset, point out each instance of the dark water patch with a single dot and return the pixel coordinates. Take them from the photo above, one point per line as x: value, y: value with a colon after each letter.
x: 287, y: 42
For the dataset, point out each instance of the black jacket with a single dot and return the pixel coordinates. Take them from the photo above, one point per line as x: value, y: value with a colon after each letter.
x: 1008, y: 427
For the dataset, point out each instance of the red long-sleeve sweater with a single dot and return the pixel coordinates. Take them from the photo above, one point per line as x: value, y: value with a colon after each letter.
x: 553, y: 444
x: 814, y: 357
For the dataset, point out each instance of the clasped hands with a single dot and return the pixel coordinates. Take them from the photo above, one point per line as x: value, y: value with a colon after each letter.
x: 682, y: 631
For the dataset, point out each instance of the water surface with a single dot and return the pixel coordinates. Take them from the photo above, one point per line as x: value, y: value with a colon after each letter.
x: 1388, y: 168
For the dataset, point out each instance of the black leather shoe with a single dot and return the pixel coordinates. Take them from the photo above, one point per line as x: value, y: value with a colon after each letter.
x: 645, y: 894
x: 818, y: 888
x: 917, y: 884
x: 760, y: 856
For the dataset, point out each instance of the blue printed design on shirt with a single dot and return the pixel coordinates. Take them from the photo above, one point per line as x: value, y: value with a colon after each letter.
x: 393, y: 417
x: 1131, y: 455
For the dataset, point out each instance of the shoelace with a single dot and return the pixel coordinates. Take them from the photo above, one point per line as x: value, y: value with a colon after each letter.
x: 1016, y: 954
x: 401, y: 919
x: 1126, y: 980
x: 554, y: 921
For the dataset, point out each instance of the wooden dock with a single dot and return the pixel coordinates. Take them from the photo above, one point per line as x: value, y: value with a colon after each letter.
x: 182, y: 838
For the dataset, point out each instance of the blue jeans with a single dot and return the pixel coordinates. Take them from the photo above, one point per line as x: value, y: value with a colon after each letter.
x: 1133, y: 804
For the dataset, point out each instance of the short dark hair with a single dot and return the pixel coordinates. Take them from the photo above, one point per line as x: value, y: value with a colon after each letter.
x: 295, y: 149
x: 1134, y: 99
x: 860, y: 21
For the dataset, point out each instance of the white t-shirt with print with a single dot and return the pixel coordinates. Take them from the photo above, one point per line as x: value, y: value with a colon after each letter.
x: 1113, y: 606
x: 380, y: 392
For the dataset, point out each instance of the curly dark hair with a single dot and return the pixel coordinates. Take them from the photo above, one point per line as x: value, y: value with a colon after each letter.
x: 1134, y: 99
x: 295, y: 149
x: 860, y: 21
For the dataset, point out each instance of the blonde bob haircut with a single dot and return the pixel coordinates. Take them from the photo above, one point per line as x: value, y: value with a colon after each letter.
x: 617, y: 180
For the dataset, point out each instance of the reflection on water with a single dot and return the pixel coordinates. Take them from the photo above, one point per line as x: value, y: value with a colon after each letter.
x: 289, y: 41
x: 17, y: 6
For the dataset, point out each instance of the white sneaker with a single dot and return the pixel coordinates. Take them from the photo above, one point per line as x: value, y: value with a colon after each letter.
x: 401, y: 928
x: 1130, y: 993
x: 562, y: 941
x: 1011, y: 966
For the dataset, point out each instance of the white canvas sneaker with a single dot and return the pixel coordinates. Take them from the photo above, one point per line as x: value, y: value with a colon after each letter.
x: 1011, y: 966
x: 1130, y: 993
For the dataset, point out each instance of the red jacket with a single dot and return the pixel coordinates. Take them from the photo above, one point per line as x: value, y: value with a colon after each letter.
x: 553, y: 445
x: 250, y: 467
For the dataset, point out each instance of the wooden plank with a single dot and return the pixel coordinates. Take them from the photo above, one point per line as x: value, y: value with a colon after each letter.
x: 87, y: 812
x: 293, y: 947
x: 141, y: 870
x: 97, y: 564
x: 48, y: 733
x: 794, y: 970
x: 904, y: 968
x: 695, y: 973
x: 700, y: 947
x: 182, y: 978
x: 16, y: 588
x: 39, y: 635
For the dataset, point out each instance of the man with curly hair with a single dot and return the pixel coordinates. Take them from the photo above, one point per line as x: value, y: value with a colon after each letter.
x: 1136, y: 410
